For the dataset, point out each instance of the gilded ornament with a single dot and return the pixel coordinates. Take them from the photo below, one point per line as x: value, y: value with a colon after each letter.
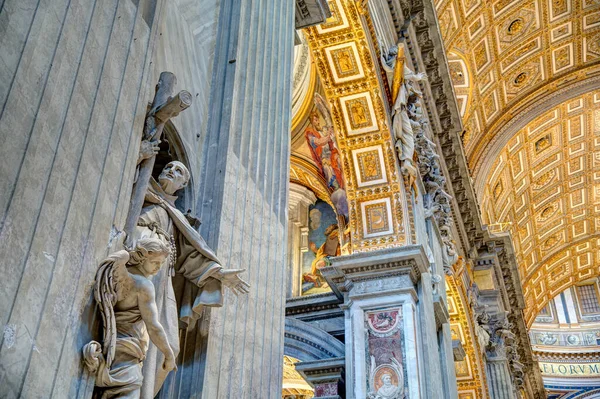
x: 515, y: 27
x: 520, y: 78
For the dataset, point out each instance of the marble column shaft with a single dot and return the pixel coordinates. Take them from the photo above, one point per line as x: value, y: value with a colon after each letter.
x: 238, y: 350
x: 499, y: 380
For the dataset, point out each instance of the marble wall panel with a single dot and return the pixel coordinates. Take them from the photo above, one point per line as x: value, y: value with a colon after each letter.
x: 72, y: 97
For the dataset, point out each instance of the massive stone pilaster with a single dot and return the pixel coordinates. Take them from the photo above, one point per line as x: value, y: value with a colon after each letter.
x: 238, y: 349
x: 391, y: 322
x: 74, y: 78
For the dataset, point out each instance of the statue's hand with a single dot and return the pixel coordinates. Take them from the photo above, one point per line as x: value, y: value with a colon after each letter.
x: 169, y: 363
x: 231, y: 278
x: 148, y: 149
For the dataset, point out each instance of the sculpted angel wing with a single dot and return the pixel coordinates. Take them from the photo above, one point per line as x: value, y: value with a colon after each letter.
x: 112, y: 270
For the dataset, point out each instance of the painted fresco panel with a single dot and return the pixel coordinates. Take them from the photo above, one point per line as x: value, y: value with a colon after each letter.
x: 321, y: 141
x: 385, y: 354
x: 323, y: 242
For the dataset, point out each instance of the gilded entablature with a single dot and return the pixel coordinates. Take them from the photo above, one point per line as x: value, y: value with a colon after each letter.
x: 340, y: 48
x: 544, y: 188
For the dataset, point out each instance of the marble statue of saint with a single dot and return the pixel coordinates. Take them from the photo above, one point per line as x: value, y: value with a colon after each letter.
x: 193, y: 270
x: 406, y: 96
x: 126, y: 299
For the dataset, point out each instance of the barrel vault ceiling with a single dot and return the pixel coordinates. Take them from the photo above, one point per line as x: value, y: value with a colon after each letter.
x: 527, y: 78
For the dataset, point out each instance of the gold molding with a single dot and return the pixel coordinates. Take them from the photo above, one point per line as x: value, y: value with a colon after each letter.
x: 347, y: 70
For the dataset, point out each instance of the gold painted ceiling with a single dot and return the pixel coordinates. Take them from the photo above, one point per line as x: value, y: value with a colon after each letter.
x: 526, y: 75
x: 349, y: 81
x: 501, y: 52
x: 545, y: 185
x: 533, y: 157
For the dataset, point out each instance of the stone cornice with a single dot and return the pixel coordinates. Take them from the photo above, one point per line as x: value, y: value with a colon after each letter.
x: 311, y: 12
x: 376, y: 265
x: 320, y: 367
x: 441, y: 312
x: 312, y: 303
x: 426, y: 48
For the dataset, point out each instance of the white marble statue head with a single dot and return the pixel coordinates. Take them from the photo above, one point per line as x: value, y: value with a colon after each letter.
x: 149, y: 255
x: 174, y: 177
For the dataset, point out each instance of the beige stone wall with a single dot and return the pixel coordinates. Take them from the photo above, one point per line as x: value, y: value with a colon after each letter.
x: 72, y: 78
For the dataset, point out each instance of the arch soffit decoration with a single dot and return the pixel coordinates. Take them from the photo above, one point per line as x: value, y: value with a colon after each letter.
x: 306, y: 343
x: 304, y: 83
x: 462, y: 81
x: 306, y: 174
x: 530, y: 58
x: 518, y: 116
x: 545, y: 187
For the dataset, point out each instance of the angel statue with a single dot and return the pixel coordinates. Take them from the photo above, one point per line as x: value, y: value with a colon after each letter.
x: 125, y: 295
x: 387, y: 389
x: 406, y: 96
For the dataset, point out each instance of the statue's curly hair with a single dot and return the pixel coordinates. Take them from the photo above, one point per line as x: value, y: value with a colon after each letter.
x: 145, y: 247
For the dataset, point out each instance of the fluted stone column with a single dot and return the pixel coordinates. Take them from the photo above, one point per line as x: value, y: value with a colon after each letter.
x: 237, y: 352
x: 499, y: 380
